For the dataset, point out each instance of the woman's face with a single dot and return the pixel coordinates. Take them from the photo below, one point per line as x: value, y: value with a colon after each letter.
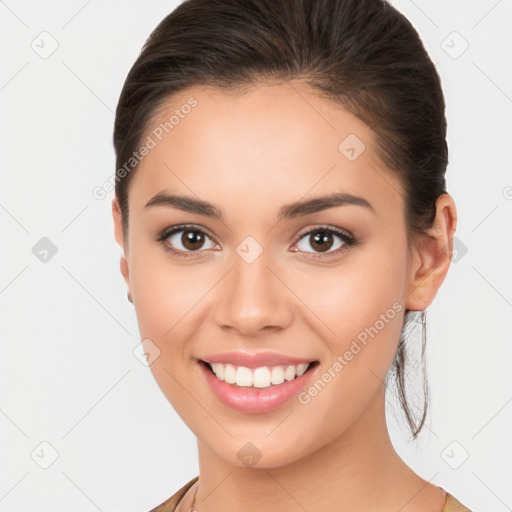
x: 246, y: 280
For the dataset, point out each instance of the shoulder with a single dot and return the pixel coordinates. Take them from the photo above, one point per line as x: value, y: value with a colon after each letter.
x: 453, y: 505
x: 170, y: 504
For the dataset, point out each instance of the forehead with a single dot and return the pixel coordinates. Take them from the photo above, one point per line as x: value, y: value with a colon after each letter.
x: 277, y: 142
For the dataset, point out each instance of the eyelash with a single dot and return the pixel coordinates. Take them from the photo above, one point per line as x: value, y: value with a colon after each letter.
x: 348, y: 240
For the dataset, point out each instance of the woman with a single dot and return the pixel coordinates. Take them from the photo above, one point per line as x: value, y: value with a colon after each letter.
x: 282, y: 207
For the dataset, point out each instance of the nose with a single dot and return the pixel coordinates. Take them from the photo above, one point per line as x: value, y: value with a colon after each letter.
x: 253, y: 298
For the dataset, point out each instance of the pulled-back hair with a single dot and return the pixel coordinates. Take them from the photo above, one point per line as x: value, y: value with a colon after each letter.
x: 361, y: 54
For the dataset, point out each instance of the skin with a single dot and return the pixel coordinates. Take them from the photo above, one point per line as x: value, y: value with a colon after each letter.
x: 249, y: 154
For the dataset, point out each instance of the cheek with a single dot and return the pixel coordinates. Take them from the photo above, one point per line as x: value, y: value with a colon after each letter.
x: 360, y: 306
x: 352, y: 296
x: 167, y: 303
x: 164, y: 294
x: 364, y: 310
x: 170, y: 301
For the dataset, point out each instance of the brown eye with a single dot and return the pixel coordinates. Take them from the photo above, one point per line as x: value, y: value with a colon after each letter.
x: 323, y: 239
x: 183, y: 239
x: 192, y: 240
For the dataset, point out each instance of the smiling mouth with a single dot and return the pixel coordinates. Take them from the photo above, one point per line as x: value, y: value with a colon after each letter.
x: 258, y: 378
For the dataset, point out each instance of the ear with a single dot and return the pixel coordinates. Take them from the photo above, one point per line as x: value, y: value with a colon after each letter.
x: 119, y: 234
x: 431, y: 256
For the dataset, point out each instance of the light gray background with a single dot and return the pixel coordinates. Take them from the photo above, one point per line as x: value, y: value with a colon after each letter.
x: 69, y: 377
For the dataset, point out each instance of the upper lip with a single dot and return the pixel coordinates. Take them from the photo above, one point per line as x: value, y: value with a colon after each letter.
x: 255, y: 360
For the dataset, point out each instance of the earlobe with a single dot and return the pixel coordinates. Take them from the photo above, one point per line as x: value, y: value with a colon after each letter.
x: 119, y: 235
x: 432, y: 256
x: 123, y: 265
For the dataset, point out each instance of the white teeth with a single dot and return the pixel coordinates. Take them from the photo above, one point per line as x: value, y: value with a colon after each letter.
x: 218, y: 369
x: 262, y: 377
x: 290, y: 372
x: 301, y: 369
x: 277, y: 375
x: 243, y: 376
x: 229, y: 373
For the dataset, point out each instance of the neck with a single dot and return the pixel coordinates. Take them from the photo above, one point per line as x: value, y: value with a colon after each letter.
x: 358, y: 470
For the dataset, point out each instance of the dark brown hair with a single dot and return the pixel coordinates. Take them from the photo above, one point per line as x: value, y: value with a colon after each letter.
x: 362, y: 54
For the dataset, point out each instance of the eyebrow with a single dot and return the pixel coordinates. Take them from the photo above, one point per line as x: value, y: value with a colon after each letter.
x: 287, y: 212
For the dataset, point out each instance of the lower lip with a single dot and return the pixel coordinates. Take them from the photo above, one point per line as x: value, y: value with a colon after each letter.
x: 254, y: 400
